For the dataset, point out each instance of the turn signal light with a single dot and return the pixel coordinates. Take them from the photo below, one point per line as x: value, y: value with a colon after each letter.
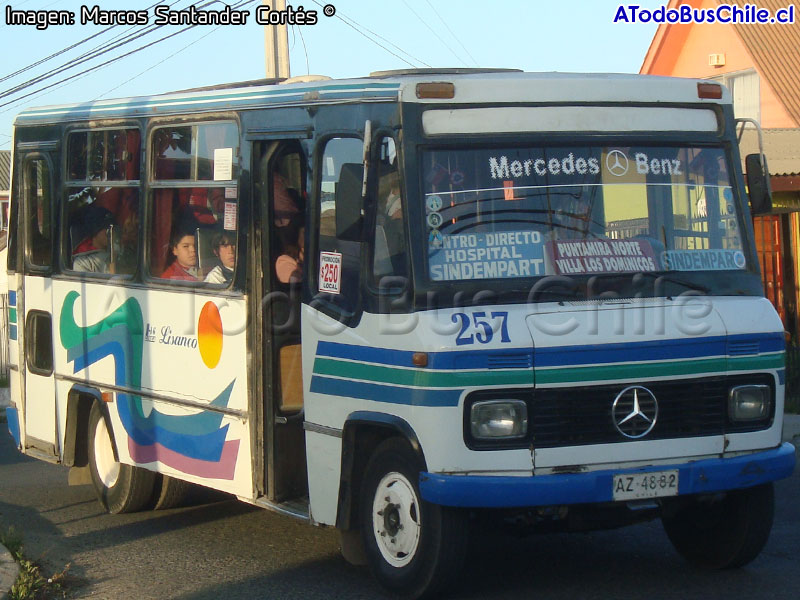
x: 709, y: 90
x: 107, y: 396
x: 436, y: 90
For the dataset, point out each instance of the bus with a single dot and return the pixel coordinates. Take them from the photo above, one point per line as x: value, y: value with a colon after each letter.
x: 401, y: 304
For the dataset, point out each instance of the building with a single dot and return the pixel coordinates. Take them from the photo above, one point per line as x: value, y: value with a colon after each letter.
x: 760, y: 64
x: 5, y: 184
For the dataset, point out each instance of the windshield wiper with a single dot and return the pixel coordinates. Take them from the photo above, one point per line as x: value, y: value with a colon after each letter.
x: 698, y: 287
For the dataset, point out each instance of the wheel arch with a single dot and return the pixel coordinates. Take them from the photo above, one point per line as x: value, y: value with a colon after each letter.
x: 76, y: 429
x: 363, y: 431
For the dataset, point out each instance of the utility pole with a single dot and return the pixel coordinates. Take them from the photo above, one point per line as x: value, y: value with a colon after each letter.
x: 276, y: 44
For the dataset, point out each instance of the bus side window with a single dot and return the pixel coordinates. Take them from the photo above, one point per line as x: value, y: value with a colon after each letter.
x: 102, y: 204
x: 194, y: 203
x: 389, y: 244
x: 340, y: 219
x: 38, y: 208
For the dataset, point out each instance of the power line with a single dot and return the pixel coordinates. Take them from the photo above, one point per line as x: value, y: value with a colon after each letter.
x: 305, y: 50
x: 87, y: 56
x: 115, y: 59
x: 451, y: 32
x: 68, y: 48
x: 446, y: 45
x: 355, y: 25
x: 158, y: 63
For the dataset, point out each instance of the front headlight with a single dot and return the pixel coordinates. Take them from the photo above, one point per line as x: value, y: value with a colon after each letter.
x: 749, y: 402
x: 499, y: 420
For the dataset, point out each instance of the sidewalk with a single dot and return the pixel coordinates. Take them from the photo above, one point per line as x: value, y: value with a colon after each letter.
x: 8, y: 572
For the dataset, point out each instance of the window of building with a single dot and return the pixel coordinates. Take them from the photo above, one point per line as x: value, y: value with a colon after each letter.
x: 195, y: 202
x: 102, y: 203
x: 746, y: 93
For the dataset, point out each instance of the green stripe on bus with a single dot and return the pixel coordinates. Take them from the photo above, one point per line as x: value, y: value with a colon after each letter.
x: 658, y: 369
x: 12, y: 315
x: 451, y: 379
x: 418, y: 378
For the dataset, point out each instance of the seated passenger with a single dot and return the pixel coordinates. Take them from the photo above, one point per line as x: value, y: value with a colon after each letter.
x: 183, y: 254
x: 223, y: 245
x: 89, y: 231
x: 289, y: 266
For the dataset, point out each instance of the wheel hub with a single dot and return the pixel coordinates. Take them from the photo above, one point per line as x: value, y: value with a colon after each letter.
x: 107, y: 466
x: 396, y: 519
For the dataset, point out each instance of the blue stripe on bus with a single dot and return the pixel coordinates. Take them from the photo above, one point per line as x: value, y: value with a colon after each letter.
x: 12, y: 332
x: 655, y: 350
x: 12, y: 298
x: 384, y: 393
x: 562, y: 355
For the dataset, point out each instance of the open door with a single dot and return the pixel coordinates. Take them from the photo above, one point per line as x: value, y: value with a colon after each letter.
x: 280, y: 176
x: 39, y: 407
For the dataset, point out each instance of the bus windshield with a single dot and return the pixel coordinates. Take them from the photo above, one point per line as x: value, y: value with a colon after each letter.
x: 501, y: 213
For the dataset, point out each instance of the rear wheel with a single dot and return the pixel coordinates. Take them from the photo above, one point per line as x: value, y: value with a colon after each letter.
x: 726, y: 533
x: 168, y: 492
x: 120, y: 488
x: 414, y: 548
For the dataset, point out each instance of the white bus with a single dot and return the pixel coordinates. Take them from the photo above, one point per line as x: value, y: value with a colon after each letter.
x: 397, y: 303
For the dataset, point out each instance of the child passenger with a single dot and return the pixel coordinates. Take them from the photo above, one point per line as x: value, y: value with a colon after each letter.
x: 183, y: 254
x: 223, y: 245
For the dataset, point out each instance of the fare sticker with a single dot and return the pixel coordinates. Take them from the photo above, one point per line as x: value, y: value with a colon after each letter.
x: 330, y: 272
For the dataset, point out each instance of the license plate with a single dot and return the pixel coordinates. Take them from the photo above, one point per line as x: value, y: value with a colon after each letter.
x: 636, y: 486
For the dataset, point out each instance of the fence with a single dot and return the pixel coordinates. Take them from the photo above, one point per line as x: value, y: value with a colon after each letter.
x: 793, y: 379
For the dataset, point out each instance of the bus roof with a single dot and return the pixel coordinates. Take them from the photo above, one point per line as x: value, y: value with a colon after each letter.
x: 479, y: 86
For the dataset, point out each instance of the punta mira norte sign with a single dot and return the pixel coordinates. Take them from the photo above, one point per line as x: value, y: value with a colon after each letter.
x: 600, y: 256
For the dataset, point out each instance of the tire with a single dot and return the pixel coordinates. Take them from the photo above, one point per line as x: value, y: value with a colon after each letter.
x: 120, y: 488
x: 414, y: 549
x: 168, y: 492
x: 725, y: 534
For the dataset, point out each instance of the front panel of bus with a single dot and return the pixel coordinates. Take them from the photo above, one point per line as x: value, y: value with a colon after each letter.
x: 586, y: 298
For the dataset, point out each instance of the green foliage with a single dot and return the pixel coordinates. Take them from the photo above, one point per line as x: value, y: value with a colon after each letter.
x: 12, y: 540
x: 30, y: 584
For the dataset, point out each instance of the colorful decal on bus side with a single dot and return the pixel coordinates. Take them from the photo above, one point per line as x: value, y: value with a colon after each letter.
x: 193, y: 444
x: 12, y: 315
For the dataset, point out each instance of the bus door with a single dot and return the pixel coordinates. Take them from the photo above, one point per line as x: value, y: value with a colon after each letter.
x: 36, y: 323
x: 280, y: 181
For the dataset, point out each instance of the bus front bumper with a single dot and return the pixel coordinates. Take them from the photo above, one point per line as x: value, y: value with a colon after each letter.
x: 700, y: 477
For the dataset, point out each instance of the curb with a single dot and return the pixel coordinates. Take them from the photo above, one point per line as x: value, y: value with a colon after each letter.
x: 9, y: 570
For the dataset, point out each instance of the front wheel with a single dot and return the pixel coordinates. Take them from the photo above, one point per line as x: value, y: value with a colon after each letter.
x: 414, y: 548
x: 120, y: 488
x: 726, y: 533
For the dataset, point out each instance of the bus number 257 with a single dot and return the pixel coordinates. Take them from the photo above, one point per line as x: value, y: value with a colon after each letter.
x: 475, y: 326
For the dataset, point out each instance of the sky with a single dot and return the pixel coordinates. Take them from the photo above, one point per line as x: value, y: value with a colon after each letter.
x: 532, y: 35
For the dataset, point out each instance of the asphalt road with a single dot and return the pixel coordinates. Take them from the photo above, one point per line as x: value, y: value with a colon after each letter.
x: 220, y: 548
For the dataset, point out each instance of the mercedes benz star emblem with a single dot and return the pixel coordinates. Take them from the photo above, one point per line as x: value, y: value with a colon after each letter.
x: 617, y: 163
x: 635, y: 411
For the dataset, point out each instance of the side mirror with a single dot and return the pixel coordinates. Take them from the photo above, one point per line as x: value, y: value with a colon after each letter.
x: 758, y: 185
x: 349, y: 219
